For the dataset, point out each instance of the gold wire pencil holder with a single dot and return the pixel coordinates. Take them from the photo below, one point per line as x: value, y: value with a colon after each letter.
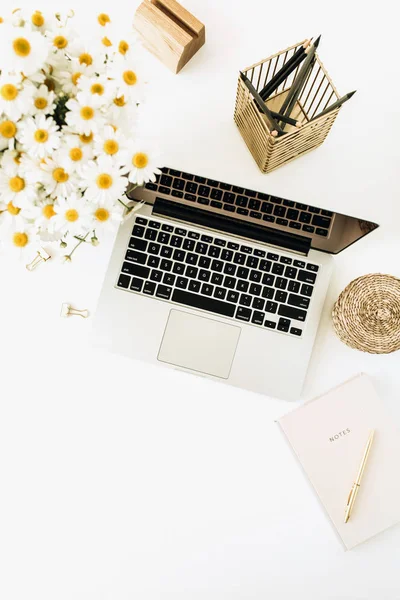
x: 318, y: 93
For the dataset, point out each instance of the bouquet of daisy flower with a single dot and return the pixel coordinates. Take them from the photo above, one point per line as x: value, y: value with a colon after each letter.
x: 71, y: 147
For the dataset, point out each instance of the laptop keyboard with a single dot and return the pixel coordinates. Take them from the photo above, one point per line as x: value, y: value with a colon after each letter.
x: 235, y: 200
x: 218, y: 275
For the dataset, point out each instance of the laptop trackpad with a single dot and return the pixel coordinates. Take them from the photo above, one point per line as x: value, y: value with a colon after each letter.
x: 199, y: 343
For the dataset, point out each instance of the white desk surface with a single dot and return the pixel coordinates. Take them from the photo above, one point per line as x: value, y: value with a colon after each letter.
x: 124, y: 481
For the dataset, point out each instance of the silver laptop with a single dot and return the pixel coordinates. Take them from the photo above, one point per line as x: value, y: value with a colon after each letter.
x: 221, y: 281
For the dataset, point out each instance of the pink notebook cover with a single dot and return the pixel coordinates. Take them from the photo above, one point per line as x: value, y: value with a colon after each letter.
x: 328, y: 435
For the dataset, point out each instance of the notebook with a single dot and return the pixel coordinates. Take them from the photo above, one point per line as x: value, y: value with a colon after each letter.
x: 328, y: 436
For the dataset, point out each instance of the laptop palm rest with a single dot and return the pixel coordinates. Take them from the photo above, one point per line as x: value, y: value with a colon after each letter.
x: 199, y: 343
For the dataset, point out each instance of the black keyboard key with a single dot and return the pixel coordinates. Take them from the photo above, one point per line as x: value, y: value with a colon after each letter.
x: 179, y: 184
x: 276, y: 200
x: 138, y: 231
x: 229, y: 269
x: 227, y: 255
x: 306, y: 290
x: 268, y: 293
x: 166, y: 252
x: 280, y: 296
x: 136, y: 284
x: 239, y: 258
x: 153, y: 248
x: 267, y: 208
x: 217, y: 278
x: 164, y: 190
x: 225, y: 186
x: 254, y: 204
x: 250, y: 193
x: 269, y: 218
x: 190, y: 197
x: 233, y: 246
x: 268, y: 279
x: 295, y: 331
x: 232, y: 296
x: 166, y: 265
x: 283, y: 222
x: 215, y: 204
x: 271, y: 307
x: 203, y: 201
x: 151, y: 234
x: 300, y: 264
x: 219, y: 242
x: 301, y: 206
x: 241, y: 201
x: 167, y: 228
x: 204, y: 191
x: 216, y: 194
x: 242, y: 211
x: 288, y: 202
x: 193, y: 235
x: 178, y: 268
x: 204, y: 262
x: 279, y: 211
x: 169, y: 279
x: 292, y: 214
x: 294, y: 225
x: 155, y: 224
x: 242, y: 285
x: 305, y: 217
x: 153, y: 261
x: 179, y: 255
x: 292, y: 313
x: 308, y: 228
x: 188, y: 244
x: 299, y: 301
x: 293, y: 286
x: 270, y: 324
x: 200, y: 179
x: 207, y: 289
x: 313, y: 209
x: 311, y: 267
x: 255, y: 215
x: 283, y: 325
x: 272, y: 256
x: 124, y: 281
x: 204, y: 275
x: 187, y: 176
x: 164, y: 292
x: 255, y: 289
x: 327, y: 213
x: 163, y: 237
x: 208, y: 304
x: 257, y: 318
x: 278, y: 269
x: 191, y: 259
x: 220, y: 293
x: 191, y: 272
x: 166, y: 180
x: 245, y: 300
x: 306, y: 276
x: 182, y: 282
x: 242, y: 272
x: 137, y: 257
x: 322, y: 232
x: 141, y: 221
x: 258, y: 303
x: 246, y: 249
x: 255, y: 276
x: 229, y: 282
x: 214, y: 251
x: 217, y: 265
x: 175, y: 173
x: 243, y: 314
x: 149, y: 288
x: 135, y: 269
x: 136, y: 244
x: 156, y: 275
x: 191, y: 187
x: 265, y: 265
x: 229, y: 198
x: 176, y: 241
x: 290, y: 272
x: 201, y: 248
x: 212, y: 182
x: 194, y: 286
x: 180, y: 231
x: 263, y: 196
x: 281, y: 283
x: 286, y: 260
x: 320, y: 221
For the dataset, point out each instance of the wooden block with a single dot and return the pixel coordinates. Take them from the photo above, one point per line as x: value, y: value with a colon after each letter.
x: 169, y: 32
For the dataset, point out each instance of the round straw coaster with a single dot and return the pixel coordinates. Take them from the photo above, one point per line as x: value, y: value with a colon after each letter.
x: 366, y: 316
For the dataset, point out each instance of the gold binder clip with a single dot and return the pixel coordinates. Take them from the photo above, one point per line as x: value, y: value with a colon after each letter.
x: 67, y: 311
x: 41, y: 256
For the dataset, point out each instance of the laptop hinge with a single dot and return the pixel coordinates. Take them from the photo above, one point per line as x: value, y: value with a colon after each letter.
x: 237, y: 227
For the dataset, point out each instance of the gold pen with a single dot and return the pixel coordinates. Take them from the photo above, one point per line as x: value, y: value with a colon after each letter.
x: 354, y: 490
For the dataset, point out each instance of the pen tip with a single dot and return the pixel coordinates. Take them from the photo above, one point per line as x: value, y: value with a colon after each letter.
x: 317, y: 41
x: 351, y: 94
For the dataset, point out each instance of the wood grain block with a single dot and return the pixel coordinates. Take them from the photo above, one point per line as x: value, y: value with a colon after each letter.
x: 169, y: 32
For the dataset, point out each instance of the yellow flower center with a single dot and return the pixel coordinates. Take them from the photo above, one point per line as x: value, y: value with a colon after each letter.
x: 60, y: 175
x: 85, y: 59
x: 104, y: 181
x: 123, y: 47
x: 71, y: 215
x: 41, y: 136
x: 140, y: 160
x: 75, y: 154
x: 60, y: 42
x: 103, y: 19
x: 37, y: 19
x: 9, y: 92
x: 75, y: 77
x: 129, y: 77
x: 86, y: 139
x: 40, y: 103
x: 13, y: 210
x: 21, y: 47
x: 97, y: 88
x: 106, y: 42
x: 87, y: 113
x: 102, y: 214
x: 1, y: 20
x: 16, y: 184
x: 20, y: 239
x: 49, y: 83
x: 48, y: 211
x: 119, y: 101
x: 8, y: 129
x: 110, y: 147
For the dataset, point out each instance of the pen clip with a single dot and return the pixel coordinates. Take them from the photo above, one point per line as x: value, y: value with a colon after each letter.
x: 350, y: 494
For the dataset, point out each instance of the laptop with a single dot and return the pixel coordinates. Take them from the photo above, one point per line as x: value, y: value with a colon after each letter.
x: 221, y: 281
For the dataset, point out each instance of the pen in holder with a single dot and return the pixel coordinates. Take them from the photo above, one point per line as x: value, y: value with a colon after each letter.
x: 310, y: 104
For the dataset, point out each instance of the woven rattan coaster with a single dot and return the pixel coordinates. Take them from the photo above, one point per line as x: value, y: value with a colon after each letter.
x: 366, y: 316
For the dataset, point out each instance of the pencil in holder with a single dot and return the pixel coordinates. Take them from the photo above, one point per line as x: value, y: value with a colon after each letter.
x: 270, y: 150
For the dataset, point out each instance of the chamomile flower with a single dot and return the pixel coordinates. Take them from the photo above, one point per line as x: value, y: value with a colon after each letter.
x: 43, y: 101
x: 104, y: 181
x: 73, y: 214
x: 74, y: 153
x: 8, y: 131
x: 111, y: 142
x: 39, y: 136
x: 15, y: 187
x: 57, y: 180
x: 40, y: 21
x: 69, y: 73
x: 128, y: 78
x: 42, y: 213
x: 13, y: 217
x: 15, y: 97
x: 84, y: 114
x: 106, y: 216
x: 89, y: 52
x: 142, y: 162
x: 99, y: 86
x: 22, y: 50
x: 60, y: 37
x: 22, y: 240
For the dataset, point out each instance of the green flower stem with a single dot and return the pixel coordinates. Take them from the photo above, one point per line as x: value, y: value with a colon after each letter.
x: 81, y: 240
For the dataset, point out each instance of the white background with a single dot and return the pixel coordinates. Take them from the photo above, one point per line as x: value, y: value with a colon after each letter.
x: 119, y: 480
